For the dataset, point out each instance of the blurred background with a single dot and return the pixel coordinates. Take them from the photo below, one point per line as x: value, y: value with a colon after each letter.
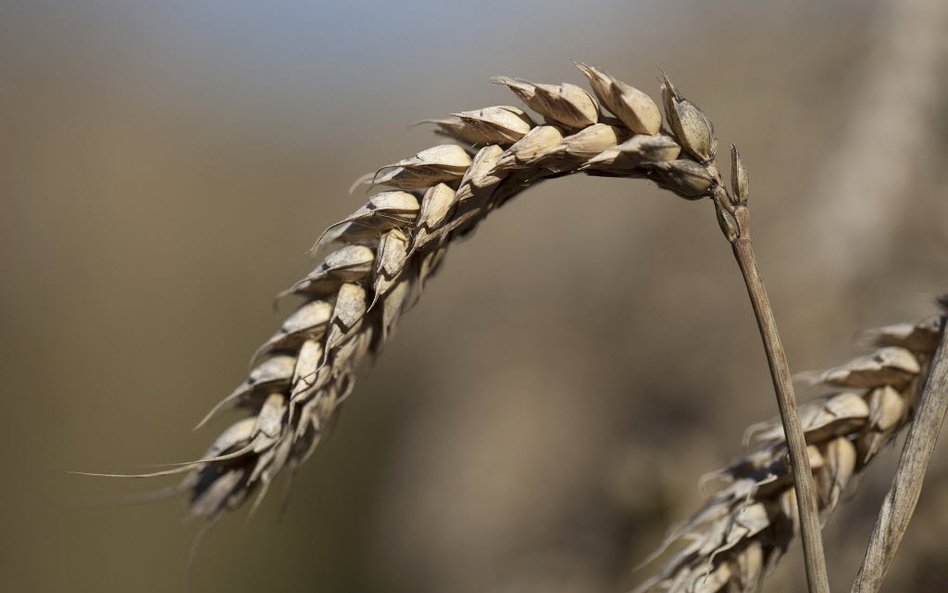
x: 544, y: 414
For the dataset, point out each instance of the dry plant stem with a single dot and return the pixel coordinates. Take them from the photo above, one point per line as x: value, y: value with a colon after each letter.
x: 899, y: 503
x: 810, y: 533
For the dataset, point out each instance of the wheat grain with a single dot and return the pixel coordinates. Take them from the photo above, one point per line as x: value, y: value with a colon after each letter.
x: 744, y: 527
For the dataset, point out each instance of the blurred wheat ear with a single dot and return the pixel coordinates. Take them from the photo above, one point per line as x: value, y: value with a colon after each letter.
x: 378, y: 259
x: 749, y: 522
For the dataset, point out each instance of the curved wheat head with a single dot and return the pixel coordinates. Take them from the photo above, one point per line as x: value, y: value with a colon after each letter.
x: 378, y: 259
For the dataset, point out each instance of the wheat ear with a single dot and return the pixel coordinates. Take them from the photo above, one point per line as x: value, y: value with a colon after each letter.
x: 745, y: 527
x: 380, y: 257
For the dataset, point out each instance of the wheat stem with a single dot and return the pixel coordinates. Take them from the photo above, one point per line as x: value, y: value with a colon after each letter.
x: 811, y: 537
x: 899, y: 503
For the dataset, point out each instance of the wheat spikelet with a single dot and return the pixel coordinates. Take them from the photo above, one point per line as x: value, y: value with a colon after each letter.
x: 380, y: 257
x: 745, y: 527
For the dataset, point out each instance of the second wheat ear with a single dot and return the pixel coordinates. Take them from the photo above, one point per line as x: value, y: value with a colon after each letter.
x: 383, y: 254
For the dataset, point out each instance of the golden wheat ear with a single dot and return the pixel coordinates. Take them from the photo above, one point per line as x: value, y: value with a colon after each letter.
x: 379, y: 258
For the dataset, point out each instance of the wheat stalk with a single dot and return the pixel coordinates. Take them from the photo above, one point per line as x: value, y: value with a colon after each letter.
x: 745, y: 527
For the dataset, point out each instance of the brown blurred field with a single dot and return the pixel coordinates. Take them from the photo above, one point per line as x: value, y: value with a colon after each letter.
x: 165, y: 166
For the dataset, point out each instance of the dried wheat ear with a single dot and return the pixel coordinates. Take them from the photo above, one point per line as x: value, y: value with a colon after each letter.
x: 378, y: 259
x: 745, y: 526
